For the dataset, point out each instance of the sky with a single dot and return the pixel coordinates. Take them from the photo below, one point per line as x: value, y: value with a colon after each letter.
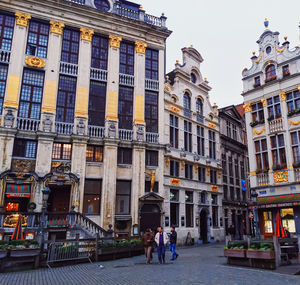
x: 225, y: 33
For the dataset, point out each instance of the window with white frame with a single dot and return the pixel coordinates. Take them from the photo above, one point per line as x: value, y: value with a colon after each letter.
x: 257, y: 111
x: 274, y: 109
x: 173, y: 131
x: 296, y: 147
x: 261, y: 153
x: 200, y: 140
x: 212, y: 144
x: 187, y: 136
x: 278, y: 151
x: 293, y: 100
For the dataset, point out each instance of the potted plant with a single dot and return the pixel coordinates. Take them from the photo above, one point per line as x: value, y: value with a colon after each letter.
x: 24, y: 248
x: 271, y: 118
x: 261, y: 250
x: 256, y: 84
x: 271, y: 78
x: 286, y: 72
x: 291, y: 113
x: 3, y: 249
x: 235, y: 249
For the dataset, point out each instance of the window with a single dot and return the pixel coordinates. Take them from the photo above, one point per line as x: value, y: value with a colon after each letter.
x: 187, y: 136
x: 225, y: 192
x: 212, y: 144
x: 229, y: 130
x: 238, y: 194
x: 99, y: 52
x: 237, y: 173
x: 151, y: 64
x: 224, y: 167
x: 242, y: 169
x: 232, y: 196
x: 203, y: 197
x: 7, y: 24
x: 186, y: 101
x: 189, y: 209
x: 92, y: 196
x: 125, y: 110
x: 201, y: 174
x: 127, y: 58
x: 256, y: 81
x: 293, y: 100
x: 288, y: 220
x: 270, y: 72
x: 173, y: 131
x: 285, y: 70
x: 3, y: 77
x: 199, y: 106
x: 151, y: 158
x: 37, y: 40
x: 234, y: 132
x: 70, y: 46
x: 200, y: 140
x: 174, y: 207
x: 25, y: 148
x: 31, y: 94
x: 97, y: 101
x: 151, y: 111
x: 188, y: 168
x: 213, y: 177
x: 274, y: 109
x: 102, y: 5
x: 62, y: 151
x: 66, y: 99
x: 268, y: 223
x: 124, y: 155
x: 148, y: 187
x: 268, y: 50
x: 278, y: 150
x: 296, y: 147
x: 230, y: 168
x: 123, y: 197
x: 257, y: 111
x: 193, y: 78
x: 174, y: 168
x: 94, y: 153
x: 261, y: 153
x: 215, y: 216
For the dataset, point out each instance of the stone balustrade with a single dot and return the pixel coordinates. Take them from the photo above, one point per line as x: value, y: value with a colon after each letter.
x: 262, y: 179
x: 68, y: 68
x: 98, y: 74
x: 276, y: 125
x: 152, y: 85
x: 125, y: 135
x: 297, y: 174
x: 96, y: 131
x: 126, y: 80
x: 64, y: 128
x: 25, y: 124
x: 187, y: 113
x: 200, y: 118
x: 152, y: 137
x: 4, y: 56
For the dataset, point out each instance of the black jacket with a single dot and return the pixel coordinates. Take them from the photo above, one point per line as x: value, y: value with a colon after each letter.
x: 173, y: 237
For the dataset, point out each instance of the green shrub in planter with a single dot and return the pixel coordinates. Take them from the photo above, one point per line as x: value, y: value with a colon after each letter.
x: 237, y: 245
x: 3, y: 245
x: 266, y: 246
x: 23, y: 244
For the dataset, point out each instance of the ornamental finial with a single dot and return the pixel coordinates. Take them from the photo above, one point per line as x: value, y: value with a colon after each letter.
x: 285, y: 38
x: 266, y: 23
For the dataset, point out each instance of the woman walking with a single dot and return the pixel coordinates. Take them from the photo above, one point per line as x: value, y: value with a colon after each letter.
x: 148, y: 240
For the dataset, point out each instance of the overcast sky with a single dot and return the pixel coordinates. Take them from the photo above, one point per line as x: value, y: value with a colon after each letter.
x: 225, y: 33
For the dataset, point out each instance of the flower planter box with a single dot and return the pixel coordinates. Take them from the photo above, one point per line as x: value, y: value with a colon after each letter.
x: 25, y: 252
x: 3, y: 253
x: 260, y: 254
x: 239, y: 253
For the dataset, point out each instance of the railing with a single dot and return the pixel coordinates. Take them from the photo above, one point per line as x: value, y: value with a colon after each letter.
x: 152, y: 85
x: 96, y: 132
x: 64, y: 128
x: 128, y: 13
x: 153, y: 20
x: 98, y: 74
x: 25, y: 124
x: 262, y: 179
x: 126, y: 79
x: 187, y: 113
x: 4, y: 56
x: 200, y: 118
x: 297, y: 174
x: 152, y: 137
x: 82, y: 2
x: 68, y: 68
x: 275, y: 125
x: 125, y: 135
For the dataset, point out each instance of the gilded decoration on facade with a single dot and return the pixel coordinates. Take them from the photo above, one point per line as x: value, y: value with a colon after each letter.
x: 264, y: 102
x: 196, y: 167
x: 256, y: 132
x: 86, y: 34
x: 259, y: 59
x: 207, y: 172
x: 283, y: 96
x: 11, y: 220
x: 167, y: 161
x: 175, y: 181
x: 247, y: 108
x: 294, y: 123
x: 22, y: 19
x: 281, y: 176
x: 253, y: 173
x: 56, y: 27
x: 174, y: 109
x: 280, y: 50
x: 114, y: 41
x: 140, y: 47
x: 182, y: 163
x: 211, y: 125
x: 214, y: 188
x: 35, y: 62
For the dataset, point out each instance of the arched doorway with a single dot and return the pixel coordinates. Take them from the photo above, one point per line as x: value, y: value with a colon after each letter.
x: 150, y: 217
x: 203, y: 226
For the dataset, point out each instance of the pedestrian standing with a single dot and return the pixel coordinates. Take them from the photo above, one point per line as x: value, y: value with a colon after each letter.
x: 148, y: 240
x: 161, y: 239
x: 173, y: 242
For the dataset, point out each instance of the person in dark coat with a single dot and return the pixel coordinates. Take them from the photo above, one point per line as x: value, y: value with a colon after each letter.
x: 148, y: 240
x: 173, y: 242
x: 231, y: 231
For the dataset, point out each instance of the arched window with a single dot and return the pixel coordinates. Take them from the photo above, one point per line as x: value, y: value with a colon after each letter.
x: 199, y: 106
x: 102, y: 5
x: 270, y: 72
x: 193, y: 78
x: 186, y: 101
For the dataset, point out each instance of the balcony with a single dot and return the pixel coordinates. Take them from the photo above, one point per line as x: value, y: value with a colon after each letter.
x: 68, y: 68
x: 262, y: 179
x: 152, y: 137
x: 187, y: 113
x: 155, y: 21
x: 98, y: 74
x: 152, y: 85
x: 25, y: 124
x: 126, y: 80
x: 125, y: 12
x: 96, y: 131
x: 4, y: 56
x: 275, y: 125
x: 200, y: 118
x: 125, y: 135
x: 64, y: 128
x: 82, y: 2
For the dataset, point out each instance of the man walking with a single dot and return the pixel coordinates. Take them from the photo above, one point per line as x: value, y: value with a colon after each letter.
x: 173, y: 241
x: 161, y: 239
x: 148, y: 240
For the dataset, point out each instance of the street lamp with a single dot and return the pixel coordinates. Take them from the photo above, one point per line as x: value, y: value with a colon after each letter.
x: 46, y: 192
x: 254, y: 196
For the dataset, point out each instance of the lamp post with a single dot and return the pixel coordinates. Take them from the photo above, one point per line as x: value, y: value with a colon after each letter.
x: 46, y: 192
x: 254, y: 196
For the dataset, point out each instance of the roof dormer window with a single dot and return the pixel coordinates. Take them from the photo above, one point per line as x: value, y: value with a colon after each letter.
x: 102, y: 5
x: 268, y: 50
x: 193, y: 78
x: 270, y: 73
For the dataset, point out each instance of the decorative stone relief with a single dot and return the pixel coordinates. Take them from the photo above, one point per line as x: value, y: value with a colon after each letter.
x: 247, y: 108
x: 56, y: 27
x: 112, y: 130
x: 47, y: 124
x: 140, y: 47
x: 80, y: 127
x: 35, y: 62
x: 61, y: 166
x: 9, y: 119
x: 283, y: 96
x: 22, y: 19
x: 22, y: 166
x: 86, y: 34
x: 114, y: 41
x: 196, y: 156
x: 140, y: 133
x: 168, y: 148
x: 182, y: 153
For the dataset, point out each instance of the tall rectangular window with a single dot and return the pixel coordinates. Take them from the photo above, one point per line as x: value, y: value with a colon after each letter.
x: 124, y: 155
x: 293, y: 100
x: 224, y: 167
x: 174, y: 131
x: 125, y: 110
x: 174, y: 168
x: 97, y: 101
x: 187, y: 136
x: 37, y: 40
x: 123, y: 197
x: 127, y: 58
x: 62, y: 151
x: 234, y: 132
x: 278, y: 150
x: 151, y: 158
x: 261, y: 153
x: 212, y: 144
x: 296, y: 147
x: 151, y: 111
x: 228, y: 128
x: 242, y: 167
x: 257, y: 111
x: 151, y: 64
x: 200, y: 141
x: 189, y: 209
x: 215, y: 216
x: 174, y: 207
x: 213, y: 177
x: 70, y: 46
x: 3, y: 78
x: 31, y: 94
x: 7, y: 24
x: 237, y: 173
x: 66, y: 99
x: 92, y: 197
x: 99, y: 52
x: 230, y: 168
x: 25, y: 148
x: 188, y: 171
x: 201, y: 174
x: 274, y: 108
x: 94, y: 153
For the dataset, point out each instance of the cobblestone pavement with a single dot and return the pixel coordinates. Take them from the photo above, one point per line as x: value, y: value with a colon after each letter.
x: 197, y: 265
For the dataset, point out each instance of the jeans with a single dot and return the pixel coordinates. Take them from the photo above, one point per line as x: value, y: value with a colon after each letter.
x: 172, y: 248
x: 161, y: 251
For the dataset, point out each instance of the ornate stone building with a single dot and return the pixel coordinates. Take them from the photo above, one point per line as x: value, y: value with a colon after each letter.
x: 81, y: 89
x: 193, y: 187
x: 272, y: 105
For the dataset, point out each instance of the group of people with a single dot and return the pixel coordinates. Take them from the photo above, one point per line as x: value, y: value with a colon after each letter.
x: 160, y: 240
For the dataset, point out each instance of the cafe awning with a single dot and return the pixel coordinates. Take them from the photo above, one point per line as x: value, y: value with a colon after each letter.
x: 18, y: 190
x: 288, y: 200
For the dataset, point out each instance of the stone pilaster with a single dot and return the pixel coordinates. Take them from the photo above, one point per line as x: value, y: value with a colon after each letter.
x: 6, y: 148
x: 161, y: 103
